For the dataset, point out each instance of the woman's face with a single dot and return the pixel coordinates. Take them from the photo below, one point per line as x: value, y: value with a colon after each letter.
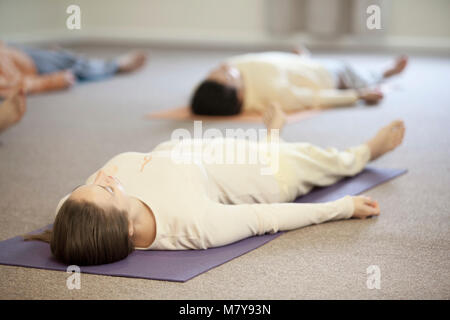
x: 104, y: 191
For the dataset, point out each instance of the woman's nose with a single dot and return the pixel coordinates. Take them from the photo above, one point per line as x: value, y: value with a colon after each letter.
x: 100, y: 176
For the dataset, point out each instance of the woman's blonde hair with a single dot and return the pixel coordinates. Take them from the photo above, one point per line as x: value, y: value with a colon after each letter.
x: 85, y: 234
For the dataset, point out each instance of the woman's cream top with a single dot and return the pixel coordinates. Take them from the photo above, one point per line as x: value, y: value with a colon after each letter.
x: 198, y: 204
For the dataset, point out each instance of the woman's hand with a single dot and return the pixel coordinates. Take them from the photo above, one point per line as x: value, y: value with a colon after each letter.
x: 365, y: 207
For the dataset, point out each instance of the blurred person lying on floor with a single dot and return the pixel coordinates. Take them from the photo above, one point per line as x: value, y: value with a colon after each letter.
x: 39, y: 70
x: 253, y: 81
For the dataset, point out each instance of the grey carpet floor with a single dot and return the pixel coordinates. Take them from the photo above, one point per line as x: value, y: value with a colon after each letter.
x: 65, y: 136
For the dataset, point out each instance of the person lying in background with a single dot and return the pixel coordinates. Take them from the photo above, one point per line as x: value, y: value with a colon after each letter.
x: 12, y: 109
x: 39, y: 70
x: 251, y: 82
x: 159, y: 201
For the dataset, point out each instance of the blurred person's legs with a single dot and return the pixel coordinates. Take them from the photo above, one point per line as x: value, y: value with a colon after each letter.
x: 38, y: 70
x: 350, y: 76
x: 366, y: 81
x: 51, y: 61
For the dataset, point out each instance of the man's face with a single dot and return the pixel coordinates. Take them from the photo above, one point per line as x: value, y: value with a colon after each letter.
x: 229, y: 76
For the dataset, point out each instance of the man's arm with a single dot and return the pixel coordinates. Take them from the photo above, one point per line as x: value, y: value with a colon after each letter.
x: 7, y: 86
x: 36, y: 84
x: 48, y: 82
x: 296, y: 98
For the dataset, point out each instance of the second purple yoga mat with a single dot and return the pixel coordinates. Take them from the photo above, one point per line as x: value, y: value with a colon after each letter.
x: 183, y: 265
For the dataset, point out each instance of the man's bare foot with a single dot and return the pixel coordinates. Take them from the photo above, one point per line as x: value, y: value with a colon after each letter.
x: 301, y: 50
x: 131, y: 61
x: 274, y: 117
x: 387, y: 139
x: 398, y: 67
x: 12, y: 109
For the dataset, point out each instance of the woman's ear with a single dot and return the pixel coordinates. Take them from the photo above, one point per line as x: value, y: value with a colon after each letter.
x: 61, y: 202
x: 130, y: 229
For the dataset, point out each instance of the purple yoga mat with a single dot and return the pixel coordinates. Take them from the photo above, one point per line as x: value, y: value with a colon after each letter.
x: 184, y: 264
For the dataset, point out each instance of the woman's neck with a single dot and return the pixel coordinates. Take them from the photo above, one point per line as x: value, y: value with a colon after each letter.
x: 144, y: 224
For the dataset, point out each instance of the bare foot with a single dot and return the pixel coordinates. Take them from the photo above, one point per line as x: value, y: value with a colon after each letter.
x: 398, y: 67
x: 12, y: 109
x: 131, y: 61
x: 301, y: 50
x: 274, y: 117
x: 387, y: 139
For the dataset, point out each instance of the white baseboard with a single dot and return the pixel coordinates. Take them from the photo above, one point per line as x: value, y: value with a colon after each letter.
x: 242, y: 40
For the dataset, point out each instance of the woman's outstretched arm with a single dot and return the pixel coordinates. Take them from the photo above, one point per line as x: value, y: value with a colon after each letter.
x: 225, y: 224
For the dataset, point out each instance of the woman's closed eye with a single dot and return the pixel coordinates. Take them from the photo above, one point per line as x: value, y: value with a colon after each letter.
x: 109, y: 189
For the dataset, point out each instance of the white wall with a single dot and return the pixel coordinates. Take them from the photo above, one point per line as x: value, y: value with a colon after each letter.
x: 412, y: 23
x: 420, y: 18
x: 202, y: 20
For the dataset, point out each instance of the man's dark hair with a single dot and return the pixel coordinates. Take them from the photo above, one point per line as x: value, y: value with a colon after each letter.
x: 215, y: 99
